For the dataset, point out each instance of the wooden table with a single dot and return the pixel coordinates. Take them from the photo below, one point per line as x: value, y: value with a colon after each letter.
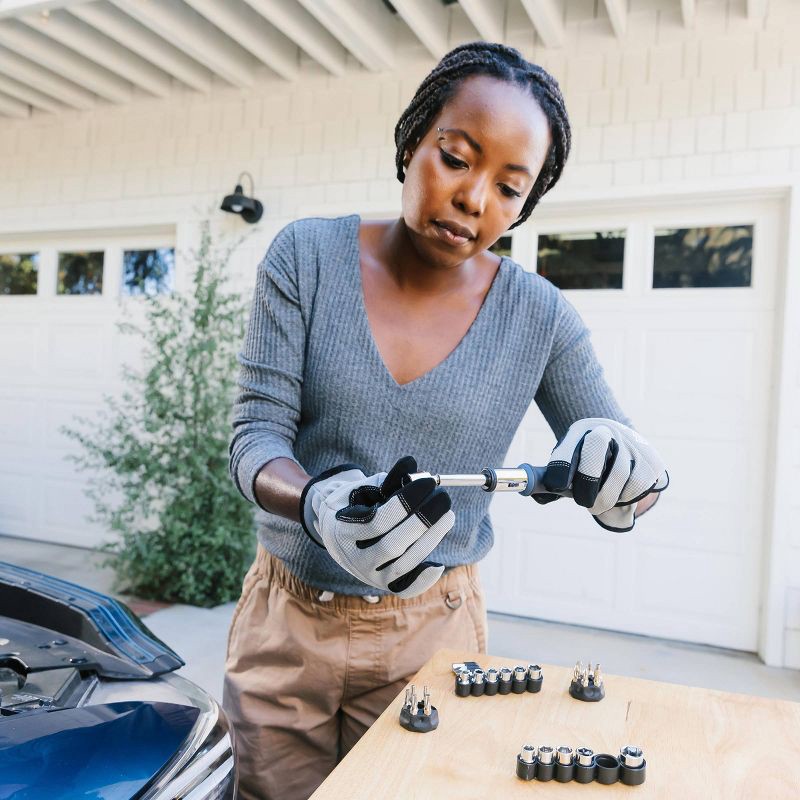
x: 698, y: 743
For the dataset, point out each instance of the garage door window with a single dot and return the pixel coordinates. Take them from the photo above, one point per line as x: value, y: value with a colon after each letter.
x: 19, y: 273
x: 719, y: 256
x: 80, y: 272
x: 584, y: 260
x: 148, y: 272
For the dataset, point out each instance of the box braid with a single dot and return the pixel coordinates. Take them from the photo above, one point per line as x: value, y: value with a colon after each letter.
x: 507, y: 64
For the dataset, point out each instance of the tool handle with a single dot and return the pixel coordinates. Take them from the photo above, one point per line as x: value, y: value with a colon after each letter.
x: 524, y: 479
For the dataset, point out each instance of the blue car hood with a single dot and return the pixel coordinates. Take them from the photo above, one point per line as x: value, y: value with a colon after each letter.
x: 107, y: 752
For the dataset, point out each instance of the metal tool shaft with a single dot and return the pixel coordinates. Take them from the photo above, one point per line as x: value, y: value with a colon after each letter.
x: 502, y: 479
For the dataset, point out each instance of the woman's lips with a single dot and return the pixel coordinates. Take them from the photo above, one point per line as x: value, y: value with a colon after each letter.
x: 448, y: 236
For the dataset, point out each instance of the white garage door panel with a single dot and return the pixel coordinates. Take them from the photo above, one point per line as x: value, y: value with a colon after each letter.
x: 16, y: 509
x: 546, y: 563
x: 17, y: 422
x: 692, y: 368
x: 18, y: 349
x: 66, y: 509
x: 65, y: 412
x: 700, y: 525
x: 77, y: 351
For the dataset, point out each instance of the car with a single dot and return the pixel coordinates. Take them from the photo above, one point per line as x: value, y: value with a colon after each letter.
x: 91, y: 705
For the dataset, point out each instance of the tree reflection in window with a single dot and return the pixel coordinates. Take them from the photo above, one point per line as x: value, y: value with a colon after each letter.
x: 19, y: 273
x: 718, y: 256
x: 148, y: 272
x: 588, y: 260
x: 80, y: 272
x: 502, y: 247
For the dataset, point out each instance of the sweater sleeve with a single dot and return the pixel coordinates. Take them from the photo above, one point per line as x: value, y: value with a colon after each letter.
x: 573, y: 385
x: 266, y: 411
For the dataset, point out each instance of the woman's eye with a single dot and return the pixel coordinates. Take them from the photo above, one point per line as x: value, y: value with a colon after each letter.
x: 451, y: 161
x: 509, y: 192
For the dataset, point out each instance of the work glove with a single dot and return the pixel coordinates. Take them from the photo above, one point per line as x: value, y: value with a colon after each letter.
x: 606, y: 467
x: 380, y: 528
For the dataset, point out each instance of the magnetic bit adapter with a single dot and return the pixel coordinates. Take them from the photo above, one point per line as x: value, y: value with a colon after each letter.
x: 587, y: 683
x: 418, y: 716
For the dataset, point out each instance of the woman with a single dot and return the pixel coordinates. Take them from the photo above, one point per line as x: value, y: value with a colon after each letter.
x: 370, y: 340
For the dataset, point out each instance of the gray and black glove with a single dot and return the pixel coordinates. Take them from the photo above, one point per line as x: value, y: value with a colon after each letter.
x: 608, y: 467
x: 380, y: 528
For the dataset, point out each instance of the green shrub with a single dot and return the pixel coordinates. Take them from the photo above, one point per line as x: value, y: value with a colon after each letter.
x: 159, y: 452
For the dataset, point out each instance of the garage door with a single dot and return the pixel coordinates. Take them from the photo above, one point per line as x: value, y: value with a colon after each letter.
x: 681, y: 305
x: 61, y: 297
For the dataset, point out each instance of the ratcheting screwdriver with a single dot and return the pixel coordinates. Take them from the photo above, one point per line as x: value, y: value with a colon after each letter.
x: 524, y: 479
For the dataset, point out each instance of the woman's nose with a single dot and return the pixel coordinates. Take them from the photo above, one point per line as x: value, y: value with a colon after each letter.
x: 471, y: 197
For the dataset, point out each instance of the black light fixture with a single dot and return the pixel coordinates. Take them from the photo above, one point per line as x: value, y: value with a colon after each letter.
x: 239, y: 203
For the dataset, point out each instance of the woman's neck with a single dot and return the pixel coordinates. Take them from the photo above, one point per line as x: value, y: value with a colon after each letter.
x: 395, y: 250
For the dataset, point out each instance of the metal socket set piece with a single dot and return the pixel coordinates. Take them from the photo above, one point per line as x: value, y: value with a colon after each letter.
x: 581, y: 765
x: 587, y: 683
x: 472, y: 681
x: 418, y: 716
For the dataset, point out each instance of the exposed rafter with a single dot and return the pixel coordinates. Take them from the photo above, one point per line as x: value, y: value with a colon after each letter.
x: 298, y: 25
x: 756, y: 9
x: 547, y: 19
x: 428, y: 21
x: 689, y: 12
x: 13, y: 108
x: 365, y: 27
x: 28, y: 95
x: 487, y: 17
x: 119, y: 26
x: 84, y: 39
x: 44, y: 80
x: 196, y: 36
x: 618, y: 14
x: 254, y: 33
x: 63, y: 61
x: 16, y: 8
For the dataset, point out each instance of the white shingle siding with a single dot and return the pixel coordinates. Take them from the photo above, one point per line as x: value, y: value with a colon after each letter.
x: 717, y: 103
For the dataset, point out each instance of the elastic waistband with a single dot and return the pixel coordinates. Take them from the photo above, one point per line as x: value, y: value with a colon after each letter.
x: 454, y: 582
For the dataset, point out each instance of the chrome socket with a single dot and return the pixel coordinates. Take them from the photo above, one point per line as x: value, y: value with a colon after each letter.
x: 526, y: 763
x: 520, y: 680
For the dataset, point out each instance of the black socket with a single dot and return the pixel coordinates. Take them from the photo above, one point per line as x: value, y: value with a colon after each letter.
x: 478, y: 689
x: 462, y: 689
x: 505, y: 686
x: 584, y: 774
x: 534, y: 684
x: 607, y: 768
x: 632, y: 776
x: 518, y: 687
x: 545, y: 772
x: 525, y: 771
x: 492, y: 688
x: 565, y: 772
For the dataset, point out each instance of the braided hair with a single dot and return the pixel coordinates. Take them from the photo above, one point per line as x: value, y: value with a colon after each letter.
x: 506, y: 64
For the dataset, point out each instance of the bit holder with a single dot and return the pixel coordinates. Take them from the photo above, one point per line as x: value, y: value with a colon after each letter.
x: 418, y: 716
x: 582, y: 765
x: 587, y: 683
x: 471, y: 680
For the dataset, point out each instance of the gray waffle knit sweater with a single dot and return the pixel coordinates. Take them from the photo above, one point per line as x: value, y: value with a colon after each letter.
x: 313, y: 388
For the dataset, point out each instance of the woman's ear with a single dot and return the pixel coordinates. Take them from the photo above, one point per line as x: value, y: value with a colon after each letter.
x: 407, y: 157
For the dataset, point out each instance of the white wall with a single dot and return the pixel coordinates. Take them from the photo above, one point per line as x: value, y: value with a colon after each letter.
x: 716, y: 106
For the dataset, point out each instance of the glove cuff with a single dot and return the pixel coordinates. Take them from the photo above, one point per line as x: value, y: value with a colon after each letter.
x: 305, y: 511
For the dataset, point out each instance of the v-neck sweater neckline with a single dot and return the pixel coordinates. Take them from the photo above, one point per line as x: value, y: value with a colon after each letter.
x: 490, y: 300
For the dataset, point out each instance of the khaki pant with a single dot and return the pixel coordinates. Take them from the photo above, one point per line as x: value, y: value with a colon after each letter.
x: 306, y: 677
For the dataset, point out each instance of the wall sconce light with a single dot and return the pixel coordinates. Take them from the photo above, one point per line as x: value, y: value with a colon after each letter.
x: 239, y: 203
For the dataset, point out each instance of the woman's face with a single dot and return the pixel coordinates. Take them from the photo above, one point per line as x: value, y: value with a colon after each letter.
x: 476, y: 172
